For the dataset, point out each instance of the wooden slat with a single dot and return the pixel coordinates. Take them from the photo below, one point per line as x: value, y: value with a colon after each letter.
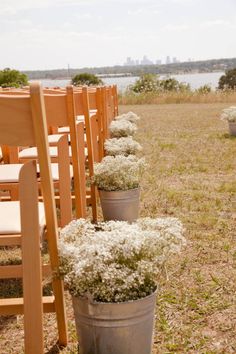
x: 15, y: 306
x: 15, y: 271
x: 10, y: 240
x: 31, y: 260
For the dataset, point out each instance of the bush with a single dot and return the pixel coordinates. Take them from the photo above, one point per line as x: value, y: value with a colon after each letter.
x: 146, y: 83
x: 117, y: 261
x: 118, y: 173
x: 204, y: 89
x: 122, y: 146
x: 12, y: 78
x: 130, y: 116
x: 229, y: 114
x: 228, y: 81
x: 122, y: 128
x: 151, y: 83
x: 86, y: 79
x: 173, y: 85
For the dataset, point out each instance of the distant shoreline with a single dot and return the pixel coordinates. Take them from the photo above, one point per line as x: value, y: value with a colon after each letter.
x: 195, y: 80
x: 131, y: 75
x: 185, y: 68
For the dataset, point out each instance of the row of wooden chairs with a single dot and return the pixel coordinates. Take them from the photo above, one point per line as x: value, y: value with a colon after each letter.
x: 26, y: 118
x: 61, y: 108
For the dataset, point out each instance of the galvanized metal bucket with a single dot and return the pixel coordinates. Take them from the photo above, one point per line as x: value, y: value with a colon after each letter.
x: 120, y: 205
x: 115, y: 328
x: 232, y: 128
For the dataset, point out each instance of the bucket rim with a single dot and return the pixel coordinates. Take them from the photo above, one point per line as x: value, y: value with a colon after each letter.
x: 90, y: 301
x: 120, y: 190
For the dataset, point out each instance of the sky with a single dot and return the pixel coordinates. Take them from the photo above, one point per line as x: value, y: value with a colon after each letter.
x: 52, y: 34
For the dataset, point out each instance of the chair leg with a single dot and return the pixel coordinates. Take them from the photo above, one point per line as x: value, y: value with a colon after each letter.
x: 58, y: 290
x: 31, y: 261
x: 64, y: 181
x: 82, y: 186
x: 94, y: 202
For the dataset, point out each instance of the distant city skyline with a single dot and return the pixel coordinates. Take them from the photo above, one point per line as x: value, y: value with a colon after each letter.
x: 146, y: 61
x: 46, y: 34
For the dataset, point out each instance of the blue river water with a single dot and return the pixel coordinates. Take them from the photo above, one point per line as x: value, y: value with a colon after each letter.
x: 195, y: 80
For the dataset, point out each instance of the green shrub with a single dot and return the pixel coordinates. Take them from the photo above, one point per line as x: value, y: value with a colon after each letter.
x: 146, y: 83
x: 204, y: 89
x: 12, y: 78
x: 173, y: 85
x: 152, y: 83
x: 228, y: 81
x: 86, y: 79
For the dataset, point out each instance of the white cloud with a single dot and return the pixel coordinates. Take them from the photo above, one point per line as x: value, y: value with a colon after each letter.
x: 12, y: 7
x: 84, y: 16
x: 171, y: 27
x: 138, y: 11
x: 182, y: 1
x: 214, y: 23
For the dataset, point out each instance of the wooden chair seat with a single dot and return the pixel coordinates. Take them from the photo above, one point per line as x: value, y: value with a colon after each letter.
x: 31, y: 153
x: 53, y: 138
x: 9, y: 173
x: 12, y: 225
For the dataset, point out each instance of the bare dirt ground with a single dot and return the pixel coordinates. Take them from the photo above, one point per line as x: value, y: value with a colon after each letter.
x: 192, y: 176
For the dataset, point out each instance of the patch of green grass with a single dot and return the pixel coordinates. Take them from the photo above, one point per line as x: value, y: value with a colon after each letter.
x: 227, y: 187
x: 168, y: 146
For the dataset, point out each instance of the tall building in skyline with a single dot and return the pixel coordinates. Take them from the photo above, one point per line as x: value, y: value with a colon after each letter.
x: 146, y: 61
x: 168, y: 61
x: 129, y: 61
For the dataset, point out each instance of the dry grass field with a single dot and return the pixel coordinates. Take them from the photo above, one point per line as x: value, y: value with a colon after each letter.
x: 192, y: 176
x: 129, y: 98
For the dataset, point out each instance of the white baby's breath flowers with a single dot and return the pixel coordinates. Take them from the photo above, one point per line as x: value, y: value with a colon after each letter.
x: 118, y: 173
x: 122, y: 146
x: 229, y: 114
x: 130, y: 116
x: 122, y: 128
x: 117, y: 261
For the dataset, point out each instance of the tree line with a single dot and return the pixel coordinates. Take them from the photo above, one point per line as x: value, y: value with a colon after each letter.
x: 147, y: 82
x: 137, y: 70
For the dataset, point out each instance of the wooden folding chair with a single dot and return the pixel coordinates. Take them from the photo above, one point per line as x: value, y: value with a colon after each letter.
x: 60, y: 112
x: 87, y: 109
x: 23, y: 122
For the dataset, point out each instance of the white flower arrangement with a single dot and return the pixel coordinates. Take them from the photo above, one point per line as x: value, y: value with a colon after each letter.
x: 122, y: 128
x: 117, y: 261
x: 130, y: 116
x: 229, y: 114
x: 118, y: 173
x: 122, y: 146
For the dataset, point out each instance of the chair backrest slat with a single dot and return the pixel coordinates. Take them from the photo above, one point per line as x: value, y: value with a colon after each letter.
x: 56, y: 109
x: 16, y: 116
